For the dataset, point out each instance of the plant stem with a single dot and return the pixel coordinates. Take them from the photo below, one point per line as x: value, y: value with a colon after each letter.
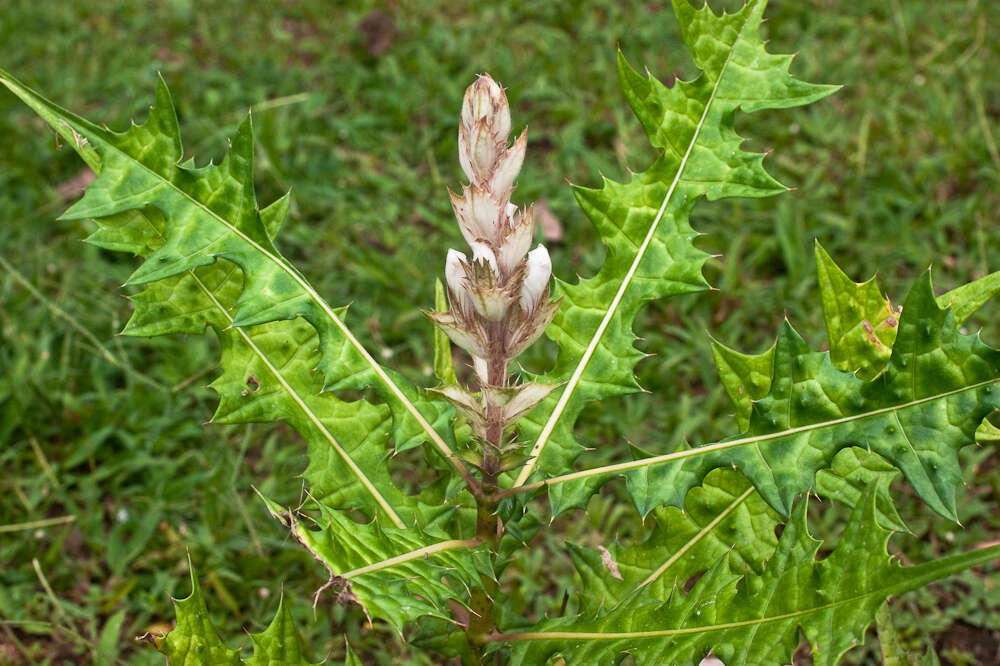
x: 488, y: 526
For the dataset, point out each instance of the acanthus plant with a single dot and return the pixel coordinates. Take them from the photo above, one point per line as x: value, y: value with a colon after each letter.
x: 899, y: 392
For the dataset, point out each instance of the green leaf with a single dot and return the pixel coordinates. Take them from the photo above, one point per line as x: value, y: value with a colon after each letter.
x: 194, y: 641
x: 395, y: 575
x: 280, y: 644
x: 644, y: 222
x: 211, y: 212
x: 927, y: 404
x: 183, y: 220
x: 723, y: 515
x: 893, y: 652
x: 860, y: 322
x: 753, y: 619
x: 964, y: 301
x: 746, y: 377
x: 852, y: 472
x: 268, y: 374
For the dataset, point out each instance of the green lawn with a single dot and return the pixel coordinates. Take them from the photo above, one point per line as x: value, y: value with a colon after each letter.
x: 356, y: 111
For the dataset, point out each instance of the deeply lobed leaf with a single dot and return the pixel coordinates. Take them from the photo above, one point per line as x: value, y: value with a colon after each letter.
x: 209, y: 213
x: 274, y: 330
x: 644, y: 222
x: 937, y: 386
x: 393, y: 574
x: 195, y: 642
x: 749, y: 619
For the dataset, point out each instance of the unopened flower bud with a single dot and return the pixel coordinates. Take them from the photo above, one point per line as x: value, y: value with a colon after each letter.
x: 486, y: 100
x: 483, y: 132
x: 536, y: 278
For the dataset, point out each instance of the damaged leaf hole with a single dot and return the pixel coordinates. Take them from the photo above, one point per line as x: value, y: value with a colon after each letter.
x: 254, y: 385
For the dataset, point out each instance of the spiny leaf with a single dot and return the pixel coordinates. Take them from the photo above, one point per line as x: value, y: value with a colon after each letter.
x: 934, y: 392
x: 395, y: 575
x: 746, y: 377
x: 280, y: 644
x: 861, y: 323
x: 211, y: 212
x: 268, y: 373
x: 852, y: 472
x: 183, y: 219
x: 722, y: 515
x: 194, y: 641
x: 753, y: 619
x: 644, y: 222
x: 861, y: 327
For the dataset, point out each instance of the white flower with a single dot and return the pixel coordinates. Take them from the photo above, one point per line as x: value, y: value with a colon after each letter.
x: 536, y: 278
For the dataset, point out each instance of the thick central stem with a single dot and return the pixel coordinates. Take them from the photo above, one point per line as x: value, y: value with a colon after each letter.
x: 488, y: 526
x: 496, y: 376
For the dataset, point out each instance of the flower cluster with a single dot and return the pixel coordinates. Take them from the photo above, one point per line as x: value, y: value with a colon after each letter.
x: 499, y: 297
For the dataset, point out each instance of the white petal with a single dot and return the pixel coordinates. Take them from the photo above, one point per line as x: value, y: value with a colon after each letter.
x: 476, y: 213
x: 481, y: 368
x: 511, y: 211
x: 455, y: 267
x: 484, y: 150
x: 536, y: 279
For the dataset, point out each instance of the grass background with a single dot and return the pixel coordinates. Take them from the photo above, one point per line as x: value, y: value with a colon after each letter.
x: 356, y: 108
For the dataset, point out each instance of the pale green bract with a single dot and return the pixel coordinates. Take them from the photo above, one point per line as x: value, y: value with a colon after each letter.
x: 896, y: 397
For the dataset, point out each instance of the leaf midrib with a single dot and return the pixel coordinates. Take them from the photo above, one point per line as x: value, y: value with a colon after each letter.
x: 957, y: 562
x: 708, y: 448
x: 369, y: 486
x: 313, y: 418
